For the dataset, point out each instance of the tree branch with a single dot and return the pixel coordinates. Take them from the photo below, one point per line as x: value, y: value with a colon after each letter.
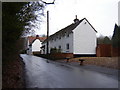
x: 47, y: 2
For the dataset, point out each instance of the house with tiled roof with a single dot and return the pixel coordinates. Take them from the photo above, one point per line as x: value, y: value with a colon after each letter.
x: 78, y: 38
x: 34, y: 44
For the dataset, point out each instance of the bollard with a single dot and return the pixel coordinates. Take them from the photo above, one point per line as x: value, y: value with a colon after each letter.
x: 81, y: 61
x: 67, y: 59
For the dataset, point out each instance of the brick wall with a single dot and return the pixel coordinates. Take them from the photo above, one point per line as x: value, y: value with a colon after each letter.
x: 54, y: 56
x: 61, y: 55
x: 36, y: 52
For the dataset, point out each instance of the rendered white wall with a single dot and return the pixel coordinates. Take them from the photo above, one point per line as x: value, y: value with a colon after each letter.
x: 81, y: 41
x: 62, y: 42
x: 36, y: 45
x: 84, y: 39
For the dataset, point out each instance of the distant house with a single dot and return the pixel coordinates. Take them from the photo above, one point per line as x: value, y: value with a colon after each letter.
x: 34, y: 44
x: 78, y: 38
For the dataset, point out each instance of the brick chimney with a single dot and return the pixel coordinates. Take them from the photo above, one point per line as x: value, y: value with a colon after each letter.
x: 76, y: 20
x: 37, y: 36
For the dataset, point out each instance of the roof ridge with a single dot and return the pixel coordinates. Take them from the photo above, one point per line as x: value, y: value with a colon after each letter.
x: 67, y: 28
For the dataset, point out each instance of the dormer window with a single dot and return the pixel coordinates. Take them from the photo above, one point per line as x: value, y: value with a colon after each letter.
x: 67, y: 35
x: 59, y: 37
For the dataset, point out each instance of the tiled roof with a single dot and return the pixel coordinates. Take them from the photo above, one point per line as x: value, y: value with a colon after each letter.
x: 32, y: 39
x: 67, y: 29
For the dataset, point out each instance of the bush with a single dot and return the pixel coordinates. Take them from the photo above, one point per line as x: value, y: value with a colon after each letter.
x: 55, y: 50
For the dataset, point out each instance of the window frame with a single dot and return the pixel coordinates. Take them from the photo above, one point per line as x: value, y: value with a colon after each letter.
x: 67, y: 46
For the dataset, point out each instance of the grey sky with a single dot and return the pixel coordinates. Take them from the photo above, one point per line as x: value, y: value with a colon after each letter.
x: 102, y: 14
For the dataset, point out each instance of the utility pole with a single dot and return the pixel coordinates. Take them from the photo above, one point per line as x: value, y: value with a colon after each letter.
x: 47, y: 32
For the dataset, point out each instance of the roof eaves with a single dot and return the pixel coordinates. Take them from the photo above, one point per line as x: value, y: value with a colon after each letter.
x: 66, y: 29
x: 90, y: 25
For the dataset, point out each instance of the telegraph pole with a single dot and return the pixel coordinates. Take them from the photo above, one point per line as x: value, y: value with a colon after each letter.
x: 47, y: 32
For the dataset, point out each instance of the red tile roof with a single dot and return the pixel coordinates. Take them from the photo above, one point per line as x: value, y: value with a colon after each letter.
x: 32, y: 39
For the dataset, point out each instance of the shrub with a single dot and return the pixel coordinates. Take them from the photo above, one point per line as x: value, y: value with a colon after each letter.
x: 55, y: 50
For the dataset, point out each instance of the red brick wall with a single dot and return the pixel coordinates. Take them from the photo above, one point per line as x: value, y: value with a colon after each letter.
x: 61, y: 55
x: 36, y: 52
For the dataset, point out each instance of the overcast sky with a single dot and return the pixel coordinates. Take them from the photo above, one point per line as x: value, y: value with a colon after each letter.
x: 102, y: 14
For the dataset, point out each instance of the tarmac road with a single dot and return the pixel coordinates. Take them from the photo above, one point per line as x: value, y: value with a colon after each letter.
x: 43, y: 74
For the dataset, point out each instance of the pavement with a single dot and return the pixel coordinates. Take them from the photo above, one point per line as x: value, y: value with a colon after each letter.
x: 44, y: 73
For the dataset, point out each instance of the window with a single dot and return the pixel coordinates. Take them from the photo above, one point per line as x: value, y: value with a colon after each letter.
x: 67, y: 35
x: 59, y: 47
x: 52, y: 39
x: 67, y: 46
x: 59, y: 37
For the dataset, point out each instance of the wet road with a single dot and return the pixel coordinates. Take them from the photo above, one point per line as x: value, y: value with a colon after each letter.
x: 40, y: 74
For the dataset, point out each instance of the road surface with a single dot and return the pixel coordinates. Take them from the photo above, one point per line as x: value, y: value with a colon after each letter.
x: 40, y: 74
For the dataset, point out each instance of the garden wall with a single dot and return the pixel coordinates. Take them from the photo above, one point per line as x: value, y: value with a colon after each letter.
x: 55, y: 56
x: 61, y: 55
x: 36, y: 52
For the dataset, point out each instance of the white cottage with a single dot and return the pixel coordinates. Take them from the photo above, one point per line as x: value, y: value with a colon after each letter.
x: 78, y: 38
x: 34, y: 44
